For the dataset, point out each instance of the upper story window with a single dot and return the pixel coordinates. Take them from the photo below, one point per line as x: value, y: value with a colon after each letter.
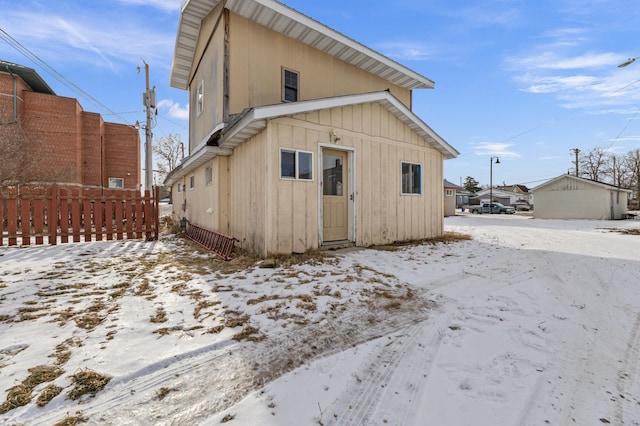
x: 290, y: 85
x: 411, y: 178
x: 192, y: 181
x: 208, y: 175
x: 200, y: 98
x: 448, y: 192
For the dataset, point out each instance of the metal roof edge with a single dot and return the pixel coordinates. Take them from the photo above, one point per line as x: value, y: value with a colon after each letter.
x: 182, y: 47
x: 593, y: 182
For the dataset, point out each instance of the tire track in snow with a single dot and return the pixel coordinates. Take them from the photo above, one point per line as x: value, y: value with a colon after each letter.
x: 123, y: 389
x: 417, y: 347
x: 627, y: 378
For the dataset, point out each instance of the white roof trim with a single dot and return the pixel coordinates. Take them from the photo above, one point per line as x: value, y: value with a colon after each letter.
x: 581, y: 179
x: 255, y: 120
x: 287, y: 21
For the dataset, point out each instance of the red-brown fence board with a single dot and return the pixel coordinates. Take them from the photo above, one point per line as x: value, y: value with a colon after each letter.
x: 38, y: 214
x: 1, y: 215
x: 29, y: 214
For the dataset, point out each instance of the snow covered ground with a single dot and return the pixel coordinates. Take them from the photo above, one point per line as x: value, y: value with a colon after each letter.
x: 531, y: 322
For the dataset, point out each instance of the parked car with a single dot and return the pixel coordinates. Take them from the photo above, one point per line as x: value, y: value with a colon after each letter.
x: 496, y: 208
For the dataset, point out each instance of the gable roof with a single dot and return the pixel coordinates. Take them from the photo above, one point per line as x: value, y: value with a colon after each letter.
x: 29, y: 76
x: 254, y: 120
x: 285, y: 20
x: 581, y: 179
x: 449, y: 185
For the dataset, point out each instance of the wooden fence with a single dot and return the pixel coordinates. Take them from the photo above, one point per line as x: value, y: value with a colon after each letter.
x: 29, y: 214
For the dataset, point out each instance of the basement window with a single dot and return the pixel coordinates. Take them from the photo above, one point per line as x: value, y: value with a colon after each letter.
x: 116, y: 183
x: 290, y: 85
x: 296, y: 164
x: 411, y: 178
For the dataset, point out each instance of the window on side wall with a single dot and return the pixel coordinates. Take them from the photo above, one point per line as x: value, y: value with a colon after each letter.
x: 295, y: 164
x: 411, y: 178
x: 449, y: 192
x: 200, y: 98
x: 116, y: 183
x: 208, y: 175
x: 192, y: 181
x: 290, y: 85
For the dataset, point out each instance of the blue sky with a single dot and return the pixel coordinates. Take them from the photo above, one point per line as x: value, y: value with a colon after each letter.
x: 523, y: 80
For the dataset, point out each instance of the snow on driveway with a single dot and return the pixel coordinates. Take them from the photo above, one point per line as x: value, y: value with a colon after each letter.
x: 532, y: 322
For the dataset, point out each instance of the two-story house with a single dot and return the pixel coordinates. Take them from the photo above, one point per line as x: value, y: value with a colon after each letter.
x: 299, y: 136
x: 48, y: 138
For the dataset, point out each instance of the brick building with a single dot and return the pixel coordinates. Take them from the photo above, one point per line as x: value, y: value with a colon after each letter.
x: 58, y: 140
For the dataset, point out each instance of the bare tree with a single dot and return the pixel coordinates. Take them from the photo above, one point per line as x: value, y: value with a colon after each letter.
x: 632, y: 164
x: 620, y: 175
x: 169, y: 152
x: 14, y: 164
x: 593, y: 165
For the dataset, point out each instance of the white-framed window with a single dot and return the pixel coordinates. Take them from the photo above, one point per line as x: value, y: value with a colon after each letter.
x: 448, y: 192
x: 200, y: 98
x: 192, y: 181
x: 296, y: 164
x: 179, y: 187
x: 411, y: 178
x: 208, y: 175
x: 116, y: 183
x: 290, y: 85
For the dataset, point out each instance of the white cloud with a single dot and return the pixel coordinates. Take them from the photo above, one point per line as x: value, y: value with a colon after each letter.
x: 174, y: 109
x: 164, y: 5
x: 410, y: 51
x: 88, y: 38
x: 498, y: 149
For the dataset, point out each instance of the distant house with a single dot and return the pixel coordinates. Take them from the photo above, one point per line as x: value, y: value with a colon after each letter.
x: 450, y: 195
x: 506, y: 197
x: 571, y: 197
x: 299, y: 137
x: 61, y: 142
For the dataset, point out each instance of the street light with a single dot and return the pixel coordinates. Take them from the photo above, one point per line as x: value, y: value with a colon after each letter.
x: 491, y: 182
x: 628, y: 62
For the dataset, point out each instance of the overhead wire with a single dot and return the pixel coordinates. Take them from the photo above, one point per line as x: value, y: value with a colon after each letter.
x: 55, y: 74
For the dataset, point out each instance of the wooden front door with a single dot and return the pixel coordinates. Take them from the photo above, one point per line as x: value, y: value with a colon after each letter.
x: 335, y: 208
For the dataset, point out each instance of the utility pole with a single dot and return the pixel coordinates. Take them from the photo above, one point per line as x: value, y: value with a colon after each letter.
x: 149, y: 101
x: 576, y: 151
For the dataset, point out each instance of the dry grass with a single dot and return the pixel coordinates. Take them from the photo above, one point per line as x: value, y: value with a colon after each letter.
x: 162, y: 393
x: 249, y: 333
x: 87, y: 382
x: 22, y: 394
x: 446, y: 238
x: 16, y: 397
x: 47, y: 394
x: 160, y: 316
x: 72, y: 420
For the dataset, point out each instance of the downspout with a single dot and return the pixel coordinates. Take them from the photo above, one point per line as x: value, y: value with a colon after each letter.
x: 15, y: 98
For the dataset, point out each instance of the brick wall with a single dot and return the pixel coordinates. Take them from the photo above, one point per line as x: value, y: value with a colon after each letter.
x: 69, y: 144
x: 122, y: 153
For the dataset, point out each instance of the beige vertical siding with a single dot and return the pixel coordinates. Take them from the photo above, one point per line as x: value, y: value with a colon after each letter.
x: 383, y: 215
x: 248, y: 215
x: 573, y: 199
x: 209, y: 68
x: 258, y: 54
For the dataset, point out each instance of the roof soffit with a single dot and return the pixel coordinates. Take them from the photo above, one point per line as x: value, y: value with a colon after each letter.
x: 281, y: 18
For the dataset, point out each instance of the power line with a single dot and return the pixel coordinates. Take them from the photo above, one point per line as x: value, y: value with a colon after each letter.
x: 58, y: 76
